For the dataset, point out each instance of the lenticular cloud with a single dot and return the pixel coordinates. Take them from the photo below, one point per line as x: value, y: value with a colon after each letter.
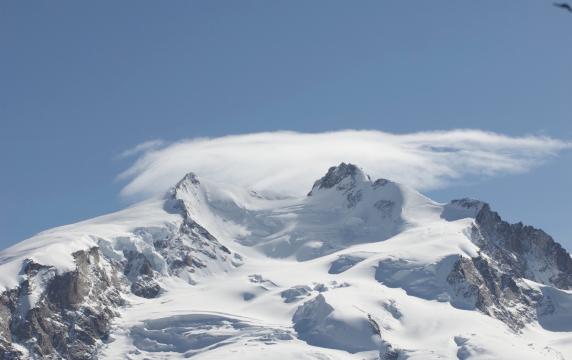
x: 288, y: 162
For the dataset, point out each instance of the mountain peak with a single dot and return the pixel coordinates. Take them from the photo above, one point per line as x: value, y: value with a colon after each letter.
x: 188, y: 184
x: 189, y: 179
x: 342, y: 176
x: 185, y: 192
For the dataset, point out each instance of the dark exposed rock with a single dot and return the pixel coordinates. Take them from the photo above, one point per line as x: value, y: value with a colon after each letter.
x: 146, y: 287
x: 139, y: 271
x: 260, y: 280
x: 523, y: 250
x: 7, y: 306
x: 71, y: 316
x: 295, y: 293
x: 344, y: 262
x: 336, y: 176
x: 477, y: 283
x: 247, y: 296
x: 391, y: 307
x: 492, y: 282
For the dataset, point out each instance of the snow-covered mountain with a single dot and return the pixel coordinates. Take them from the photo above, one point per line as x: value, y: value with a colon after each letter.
x: 357, y: 269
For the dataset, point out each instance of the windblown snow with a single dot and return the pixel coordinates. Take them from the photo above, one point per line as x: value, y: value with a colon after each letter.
x: 357, y: 269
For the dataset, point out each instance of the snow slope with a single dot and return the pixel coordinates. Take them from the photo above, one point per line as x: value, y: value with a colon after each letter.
x: 357, y: 269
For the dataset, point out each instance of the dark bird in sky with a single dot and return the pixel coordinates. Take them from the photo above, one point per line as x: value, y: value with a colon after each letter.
x: 564, y: 6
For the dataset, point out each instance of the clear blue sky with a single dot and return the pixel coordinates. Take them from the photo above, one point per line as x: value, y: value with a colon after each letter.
x: 82, y: 81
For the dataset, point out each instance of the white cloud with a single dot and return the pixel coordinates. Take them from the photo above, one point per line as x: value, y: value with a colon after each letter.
x: 142, y: 148
x: 289, y: 162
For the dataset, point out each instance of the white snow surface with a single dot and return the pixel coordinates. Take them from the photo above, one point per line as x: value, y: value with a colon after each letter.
x: 292, y: 244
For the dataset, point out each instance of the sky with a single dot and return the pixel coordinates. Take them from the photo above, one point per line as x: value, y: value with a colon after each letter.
x: 85, y: 83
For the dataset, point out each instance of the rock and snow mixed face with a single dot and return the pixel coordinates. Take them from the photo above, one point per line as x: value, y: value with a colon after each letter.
x: 357, y: 269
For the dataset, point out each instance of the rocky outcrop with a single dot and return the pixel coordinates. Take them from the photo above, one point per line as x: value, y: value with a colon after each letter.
x: 508, y: 253
x: 342, y: 177
x: 295, y: 293
x: 344, y: 263
x: 141, y: 274
x: 476, y: 283
x: 519, y: 250
x: 523, y: 250
x: 66, y: 315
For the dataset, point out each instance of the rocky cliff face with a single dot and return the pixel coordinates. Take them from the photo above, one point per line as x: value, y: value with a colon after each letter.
x: 523, y: 250
x: 493, y: 282
x: 60, y: 315
x: 480, y: 284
